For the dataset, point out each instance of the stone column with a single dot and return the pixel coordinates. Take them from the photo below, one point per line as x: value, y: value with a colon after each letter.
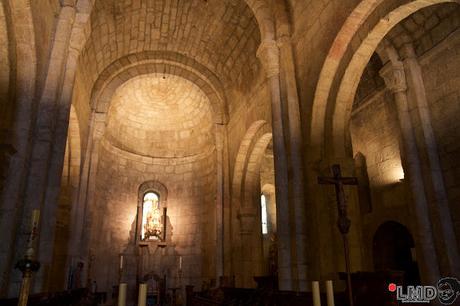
x: 395, y: 80
x: 296, y: 194
x: 24, y: 101
x: 80, y: 208
x: 268, y: 54
x: 82, y: 222
x: 220, y: 195
x: 48, y: 138
x: 444, y: 221
x: 247, y: 219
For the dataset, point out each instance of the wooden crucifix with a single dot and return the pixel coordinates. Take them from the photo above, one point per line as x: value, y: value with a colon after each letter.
x: 343, y: 221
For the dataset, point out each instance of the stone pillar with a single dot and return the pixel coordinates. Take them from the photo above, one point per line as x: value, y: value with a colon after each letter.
x: 395, y: 80
x: 296, y: 194
x: 220, y: 195
x: 49, y: 136
x: 22, y: 118
x: 79, y: 210
x: 82, y: 214
x: 268, y: 54
x: 417, y: 93
x: 247, y: 218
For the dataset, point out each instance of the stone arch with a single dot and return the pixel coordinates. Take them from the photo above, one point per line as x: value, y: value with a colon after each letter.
x: 156, y: 187
x: 247, y: 144
x: 251, y: 182
x: 264, y: 17
x: 244, y: 212
x: 73, y: 150
x: 165, y: 62
x: 346, y: 60
x: 392, y: 246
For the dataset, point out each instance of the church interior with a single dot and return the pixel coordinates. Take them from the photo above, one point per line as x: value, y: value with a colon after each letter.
x: 228, y: 152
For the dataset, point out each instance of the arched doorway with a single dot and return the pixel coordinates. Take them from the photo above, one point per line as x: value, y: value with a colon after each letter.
x: 393, y: 249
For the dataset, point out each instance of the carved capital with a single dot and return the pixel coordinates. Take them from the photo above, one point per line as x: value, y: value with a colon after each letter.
x: 269, y: 55
x: 284, y: 40
x: 70, y: 3
x: 394, y: 77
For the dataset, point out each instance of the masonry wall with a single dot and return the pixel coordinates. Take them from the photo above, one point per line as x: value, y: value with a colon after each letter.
x: 315, y: 24
x: 375, y: 133
x: 253, y: 106
x: 191, y: 184
x: 442, y: 82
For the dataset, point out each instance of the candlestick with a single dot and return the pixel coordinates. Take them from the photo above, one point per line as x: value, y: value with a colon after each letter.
x: 28, y: 264
x: 121, y: 262
x: 330, y: 293
x: 180, y: 263
x: 316, y: 293
x: 35, y: 217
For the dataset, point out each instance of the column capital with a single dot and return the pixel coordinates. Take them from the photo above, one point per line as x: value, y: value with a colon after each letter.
x: 65, y: 3
x: 407, y: 51
x: 268, y: 54
x: 394, y: 76
x: 284, y: 40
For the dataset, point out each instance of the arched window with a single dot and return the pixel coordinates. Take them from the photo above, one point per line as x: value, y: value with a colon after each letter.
x: 151, y: 229
x: 263, y: 206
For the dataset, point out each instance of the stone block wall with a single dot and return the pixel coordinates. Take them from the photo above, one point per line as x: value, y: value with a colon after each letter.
x: 374, y: 131
x: 251, y: 107
x: 191, y: 184
x: 442, y: 82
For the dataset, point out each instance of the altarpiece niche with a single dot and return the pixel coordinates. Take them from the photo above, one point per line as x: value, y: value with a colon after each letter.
x: 151, y: 213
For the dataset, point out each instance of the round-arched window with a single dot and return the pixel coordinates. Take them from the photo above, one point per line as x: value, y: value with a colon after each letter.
x: 264, y: 217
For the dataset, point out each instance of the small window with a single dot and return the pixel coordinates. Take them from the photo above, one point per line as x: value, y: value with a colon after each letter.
x: 151, y: 218
x: 263, y: 205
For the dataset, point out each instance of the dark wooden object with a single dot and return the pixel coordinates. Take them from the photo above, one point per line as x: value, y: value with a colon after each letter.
x: 343, y: 222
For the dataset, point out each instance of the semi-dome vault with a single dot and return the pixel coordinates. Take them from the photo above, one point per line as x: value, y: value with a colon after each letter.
x: 206, y: 124
x: 160, y: 116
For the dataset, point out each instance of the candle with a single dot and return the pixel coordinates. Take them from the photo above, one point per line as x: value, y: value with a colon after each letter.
x: 330, y: 293
x: 34, y: 225
x: 142, y: 301
x: 316, y: 294
x: 180, y: 263
x: 122, y: 294
x: 121, y: 262
x: 35, y: 218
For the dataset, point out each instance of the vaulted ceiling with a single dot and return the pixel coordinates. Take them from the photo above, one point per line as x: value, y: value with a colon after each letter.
x: 159, y: 115
x: 222, y: 35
